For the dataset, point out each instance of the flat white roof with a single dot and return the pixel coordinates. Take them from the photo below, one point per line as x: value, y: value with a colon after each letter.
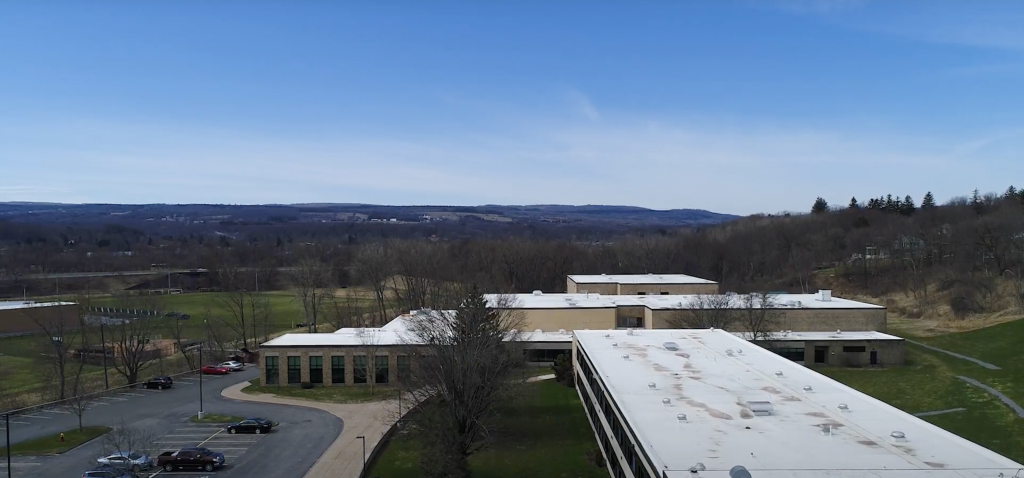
x: 28, y: 304
x: 392, y: 333
x: 790, y: 336
x: 656, y: 302
x: 712, y: 388
x: 638, y: 279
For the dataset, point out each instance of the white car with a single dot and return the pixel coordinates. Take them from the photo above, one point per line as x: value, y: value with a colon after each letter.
x: 233, y: 366
x: 125, y: 460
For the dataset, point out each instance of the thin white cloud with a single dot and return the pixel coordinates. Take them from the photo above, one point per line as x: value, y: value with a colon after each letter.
x: 583, y: 105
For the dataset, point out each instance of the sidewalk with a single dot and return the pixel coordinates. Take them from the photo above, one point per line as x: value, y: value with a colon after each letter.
x: 343, y: 459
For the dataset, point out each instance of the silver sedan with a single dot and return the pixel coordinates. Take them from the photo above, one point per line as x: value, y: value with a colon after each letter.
x: 126, y: 461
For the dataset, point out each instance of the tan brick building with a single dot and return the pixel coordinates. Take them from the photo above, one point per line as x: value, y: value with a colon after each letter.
x: 639, y: 284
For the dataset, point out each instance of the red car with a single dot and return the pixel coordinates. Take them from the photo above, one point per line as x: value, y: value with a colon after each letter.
x: 214, y: 370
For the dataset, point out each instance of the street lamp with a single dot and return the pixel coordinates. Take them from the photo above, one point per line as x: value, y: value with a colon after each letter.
x: 364, y: 452
x: 201, y: 382
x: 6, y: 420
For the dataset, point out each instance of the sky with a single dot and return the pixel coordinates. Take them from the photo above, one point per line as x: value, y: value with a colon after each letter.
x: 731, y: 106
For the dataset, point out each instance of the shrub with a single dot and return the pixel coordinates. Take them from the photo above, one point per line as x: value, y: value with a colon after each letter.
x: 595, y: 457
x: 306, y: 385
x: 563, y: 371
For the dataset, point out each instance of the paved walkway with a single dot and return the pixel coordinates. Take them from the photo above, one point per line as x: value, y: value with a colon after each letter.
x: 959, y: 356
x: 344, y: 458
x: 1010, y: 403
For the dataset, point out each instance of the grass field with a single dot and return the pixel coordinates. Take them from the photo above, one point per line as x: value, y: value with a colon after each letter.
x: 339, y: 394
x: 51, y: 444
x: 929, y: 383
x: 547, y: 434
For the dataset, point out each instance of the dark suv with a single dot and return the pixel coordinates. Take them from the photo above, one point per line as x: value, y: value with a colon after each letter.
x: 158, y: 383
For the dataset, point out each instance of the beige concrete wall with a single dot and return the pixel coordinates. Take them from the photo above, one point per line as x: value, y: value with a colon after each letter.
x: 18, y: 321
x: 807, y: 320
x: 551, y: 320
x: 674, y: 289
x: 348, y: 352
x: 890, y: 353
x: 637, y: 311
x: 593, y: 288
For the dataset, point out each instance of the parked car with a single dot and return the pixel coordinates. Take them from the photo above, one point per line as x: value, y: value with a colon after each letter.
x: 233, y: 366
x: 251, y: 425
x: 158, y: 383
x: 107, y: 472
x: 126, y: 460
x: 214, y: 370
x: 197, y: 457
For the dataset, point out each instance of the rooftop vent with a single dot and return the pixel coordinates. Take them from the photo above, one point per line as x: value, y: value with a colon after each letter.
x: 826, y: 429
x: 652, y: 385
x: 739, y: 471
x: 682, y: 418
x: 728, y: 352
x: 597, y: 295
x: 666, y: 401
x: 607, y: 336
x: 561, y: 331
x: 825, y: 295
x: 839, y: 332
x: 898, y: 437
x: 760, y: 407
x: 604, y: 274
x: 625, y: 356
x: 572, y: 303
x: 778, y: 373
x: 698, y: 467
x: 538, y: 331
x: 808, y: 389
x: 671, y: 346
x: 629, y: 331
x: 739, y: 351
x: 844, y: 407
x: 615, y: 344
x: 537, y: 292
x: 799, y: 304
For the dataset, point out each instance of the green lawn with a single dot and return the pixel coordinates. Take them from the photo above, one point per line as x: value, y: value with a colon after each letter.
x: 929, y: 382
x: 334, y: 394
x: 215, y: 418
x: 51, y: 444
x: 546, y: 434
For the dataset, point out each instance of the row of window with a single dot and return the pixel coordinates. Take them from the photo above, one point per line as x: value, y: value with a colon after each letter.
x: 620, y: 434
x: 360, y: 369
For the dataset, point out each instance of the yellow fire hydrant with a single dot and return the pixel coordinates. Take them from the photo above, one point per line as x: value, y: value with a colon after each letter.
x: 62, y: 437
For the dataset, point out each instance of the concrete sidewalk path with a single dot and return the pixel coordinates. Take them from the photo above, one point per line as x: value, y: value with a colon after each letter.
x: 344, y: 458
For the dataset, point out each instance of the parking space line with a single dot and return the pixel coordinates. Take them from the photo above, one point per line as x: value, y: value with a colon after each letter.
x: 36, y: 416
x: 119, y: 399
x: 211, y: 437
x: 21, y: 423
x: 132, y: 394
x: 55, y: 411
x: 99, y: 403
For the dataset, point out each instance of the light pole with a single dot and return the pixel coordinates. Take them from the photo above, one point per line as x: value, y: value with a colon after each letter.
x: 7, y: 427
x: 201, y: 381
x: 364, y: 453
x: 103, y: 341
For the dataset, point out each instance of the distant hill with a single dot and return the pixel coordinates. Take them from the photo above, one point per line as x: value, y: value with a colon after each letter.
x: 600, y: 216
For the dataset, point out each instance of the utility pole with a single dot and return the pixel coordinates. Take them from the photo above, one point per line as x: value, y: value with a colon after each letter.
x: 201, y: 381
x: 7, y: 427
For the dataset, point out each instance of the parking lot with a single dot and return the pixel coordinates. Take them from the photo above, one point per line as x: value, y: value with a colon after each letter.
x: 209, y: 435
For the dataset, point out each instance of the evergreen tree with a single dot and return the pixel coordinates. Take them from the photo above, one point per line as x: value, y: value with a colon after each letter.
x: 853, y: 203
x: 975, y: 198
x: 1011, y: 193
x: 872, y: 204
x: 820, y: 206
x: 890, y: 206
x: 928, y: 202
x: 908, y: 206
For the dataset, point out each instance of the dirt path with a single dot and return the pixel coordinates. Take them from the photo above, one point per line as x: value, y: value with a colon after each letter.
x: 954, y: 354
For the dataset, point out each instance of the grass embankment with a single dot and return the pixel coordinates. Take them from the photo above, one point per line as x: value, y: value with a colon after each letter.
x: 929, y: 382
x: 333, y: 394
x: 51, y: 444
x: 215, y: 418
x: 545, y: 434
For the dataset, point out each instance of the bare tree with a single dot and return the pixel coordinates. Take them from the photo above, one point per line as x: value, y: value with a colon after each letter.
x: 177, y: 330
x: 131, y: 336
x: 705, y: 311
x: 259, y: 314
x: 128, y: 440
x: 465, y: 367
x: 373, y: 267
x: 369, y: 342
x: 313, y: 285
x: 345, y: 311
x: 81, y: 392
x: 61, y: 327
x: 759, y: 318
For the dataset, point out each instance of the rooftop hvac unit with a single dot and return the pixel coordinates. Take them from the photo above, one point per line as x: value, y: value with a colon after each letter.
x: 826, y: 295
x: 760, y: 408
x: 671, y: 346
x: 537, y: 292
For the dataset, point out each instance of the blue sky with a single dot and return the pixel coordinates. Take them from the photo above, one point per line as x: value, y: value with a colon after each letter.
x: 739, y: 107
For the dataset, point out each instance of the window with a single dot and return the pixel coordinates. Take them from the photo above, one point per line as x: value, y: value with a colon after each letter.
x: 854, y: 348
x: 664, y: 293
x: 629, y: 322
x: 380, y: 369
x: 338, y: 369
x: 271, y: 370
x: 294, y: 369
x: 794, y: 354
x: 316, y: 369
x: 359, y: 369
x: 403, y: 368
x: 641, y: 293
